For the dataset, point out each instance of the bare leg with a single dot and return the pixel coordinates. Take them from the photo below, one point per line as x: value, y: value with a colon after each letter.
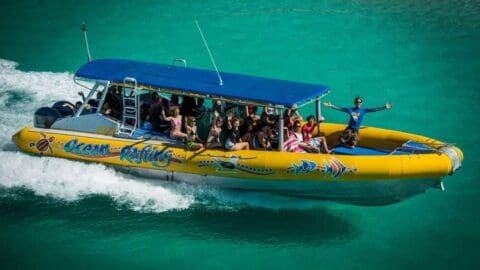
x: 240, y: 146
x: 248, y: 138
x: 178, y: 135
x: 323, y: 140
x: 214, y: 145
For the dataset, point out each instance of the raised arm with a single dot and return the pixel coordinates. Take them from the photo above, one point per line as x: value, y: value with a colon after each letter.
x: 229, y: 120
x: 82, y: 95
x: 385, y: 107
x: 166, y: 118
x: 330, y: 105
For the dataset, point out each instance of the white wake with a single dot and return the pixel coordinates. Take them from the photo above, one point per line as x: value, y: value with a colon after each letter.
x: 21, y: 93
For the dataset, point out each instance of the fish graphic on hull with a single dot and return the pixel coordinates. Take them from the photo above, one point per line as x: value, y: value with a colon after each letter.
x: 333, y: 167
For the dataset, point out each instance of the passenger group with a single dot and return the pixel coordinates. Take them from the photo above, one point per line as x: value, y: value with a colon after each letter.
x: 232, y: 127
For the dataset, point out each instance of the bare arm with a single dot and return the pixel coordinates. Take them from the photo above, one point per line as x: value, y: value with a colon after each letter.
x: 330, y: 105
x: 385, y: 107
x: 81, y: 94
x: 229, y: 121
x: 166, y: 118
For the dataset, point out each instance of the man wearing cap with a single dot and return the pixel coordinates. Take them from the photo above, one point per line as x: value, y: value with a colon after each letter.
x: 349, y: 137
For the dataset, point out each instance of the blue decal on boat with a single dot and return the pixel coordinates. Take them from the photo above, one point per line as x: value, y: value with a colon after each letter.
x: 333, y: 167
x: 87, y: 149
x: 147, y: 154
x: 232, y: 165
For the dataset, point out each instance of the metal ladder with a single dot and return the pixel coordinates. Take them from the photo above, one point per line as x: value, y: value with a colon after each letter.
x: 130, y: 114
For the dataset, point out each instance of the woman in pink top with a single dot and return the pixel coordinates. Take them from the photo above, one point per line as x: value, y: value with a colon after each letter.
x: 176, y: 123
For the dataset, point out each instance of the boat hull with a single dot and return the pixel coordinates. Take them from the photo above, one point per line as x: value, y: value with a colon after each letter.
x: 368, y: 193
x: 366, y: 180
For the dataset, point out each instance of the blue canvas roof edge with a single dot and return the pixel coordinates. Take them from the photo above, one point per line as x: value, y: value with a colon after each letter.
x: 203, y: 82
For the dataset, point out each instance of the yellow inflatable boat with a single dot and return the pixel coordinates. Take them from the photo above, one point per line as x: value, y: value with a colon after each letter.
x: 386, y: 166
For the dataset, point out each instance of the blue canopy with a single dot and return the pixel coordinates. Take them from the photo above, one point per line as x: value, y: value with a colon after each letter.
x: 203, y: 82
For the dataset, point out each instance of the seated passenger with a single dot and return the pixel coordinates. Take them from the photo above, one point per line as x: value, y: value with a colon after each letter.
x: 193, y: 142
x: 93, y: 102
x: 287, y: 121
x: 106, y: 110
x: 114, y: 106
x: 199, y: 110
x: 146, y: 124
x: 297, y: 132
x: 270, y: 116
x: 265, y: 120
x: 308, y: 128
x: 216, y: 110
x: 159, y: 124
x: 213, y: 140
x: 247, y: 131
x: 251, y: 112
x: 188, y: 106
x: 291, y: 143
x: 307, y: 132
x: 113, y: 99
x: 156, y: 100
x: 176, y: 124
x: 234, y: 141
x: 263, y: 139
x: 78, y: 104
x: 293, y: 113
x: 217, y: 107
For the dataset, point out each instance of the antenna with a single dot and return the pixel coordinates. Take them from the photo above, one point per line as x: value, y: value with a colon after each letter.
x: 84, y: 30
x: 220, y: 81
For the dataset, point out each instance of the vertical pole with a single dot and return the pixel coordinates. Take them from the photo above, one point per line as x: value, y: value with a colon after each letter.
x: 280, y: 129
x: 84, y: 30
x: 318, y: 110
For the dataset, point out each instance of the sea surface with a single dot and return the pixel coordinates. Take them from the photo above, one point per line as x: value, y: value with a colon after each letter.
x: 422, y: 56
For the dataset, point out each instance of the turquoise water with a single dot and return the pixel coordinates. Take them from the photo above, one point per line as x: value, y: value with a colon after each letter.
x: 422, y: 56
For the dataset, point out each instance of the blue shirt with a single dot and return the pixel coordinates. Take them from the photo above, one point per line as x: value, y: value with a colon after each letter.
x: 356, y: 115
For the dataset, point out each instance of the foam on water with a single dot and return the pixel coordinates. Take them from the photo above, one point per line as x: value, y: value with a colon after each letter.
x: 20, y: 94
x: 71, y: 180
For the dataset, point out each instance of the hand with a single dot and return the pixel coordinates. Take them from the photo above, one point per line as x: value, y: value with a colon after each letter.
x: 229, y: 116
x: 327, y: 104
x: 388, y: 106
x: 80, y: 93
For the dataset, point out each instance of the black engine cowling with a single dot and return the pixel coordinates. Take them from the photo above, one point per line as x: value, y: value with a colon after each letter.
x: 64, y: 107
x: 45, y: 117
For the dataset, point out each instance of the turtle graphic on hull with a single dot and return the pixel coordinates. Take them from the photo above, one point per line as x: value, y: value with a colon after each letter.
x: 43, y: 144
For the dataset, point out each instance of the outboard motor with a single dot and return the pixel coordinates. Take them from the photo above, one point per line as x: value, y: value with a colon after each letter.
x: 65, y: 108
x: 45, y: 117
